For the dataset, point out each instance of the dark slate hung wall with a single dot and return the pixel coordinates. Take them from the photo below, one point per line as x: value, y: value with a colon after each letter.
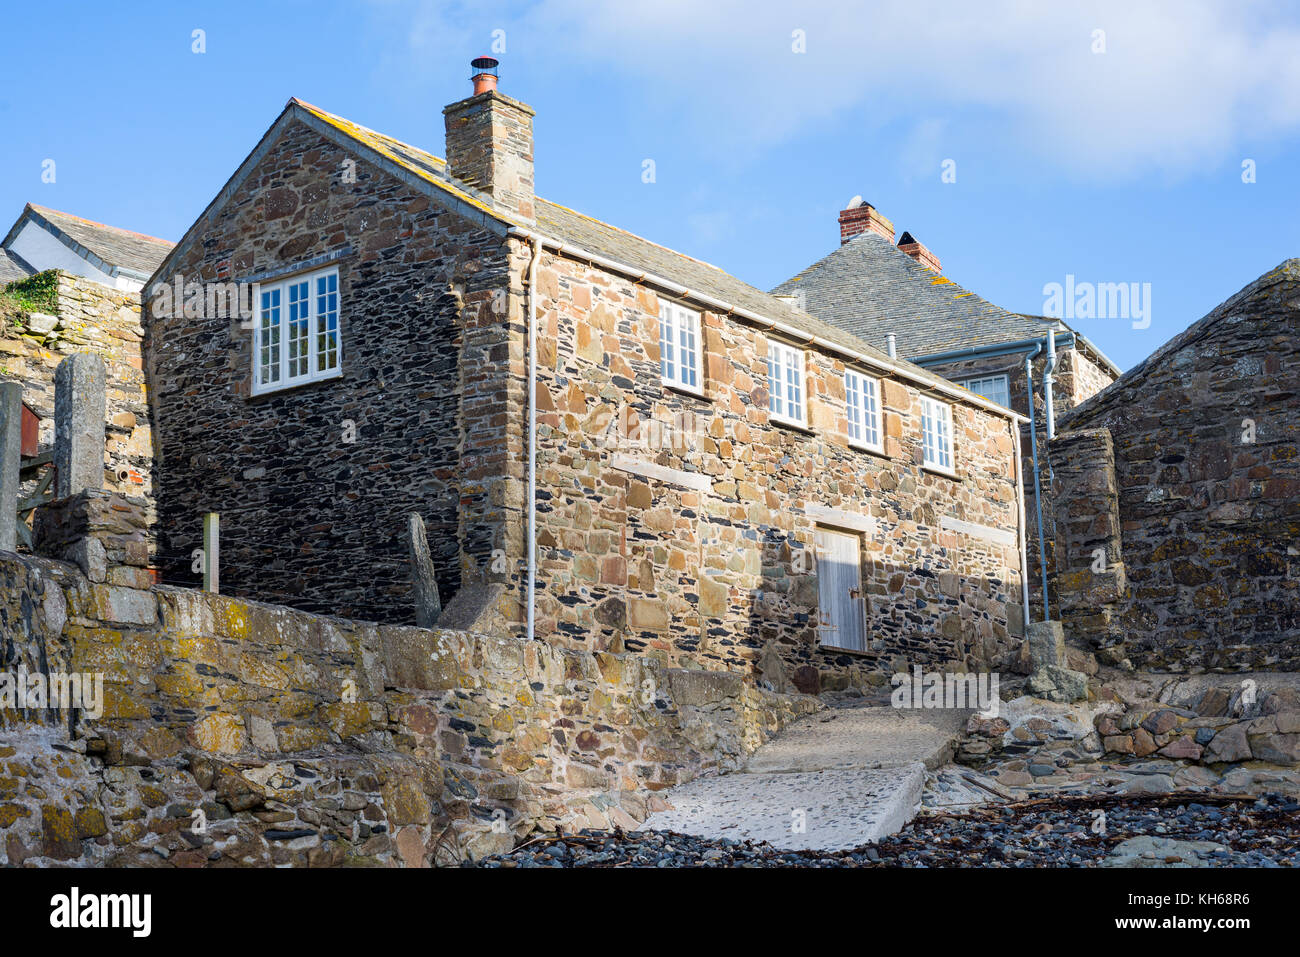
x: 309, y: 519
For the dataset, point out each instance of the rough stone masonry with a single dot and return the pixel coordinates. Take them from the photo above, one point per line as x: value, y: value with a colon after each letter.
x: 1178, y: 496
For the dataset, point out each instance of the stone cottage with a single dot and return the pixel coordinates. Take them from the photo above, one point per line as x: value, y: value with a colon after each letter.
x: 613, y: 446
x: 1178, y: 495
x: 895, y: 296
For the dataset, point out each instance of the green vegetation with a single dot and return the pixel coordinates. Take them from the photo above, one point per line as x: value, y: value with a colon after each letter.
x: 38, y: 293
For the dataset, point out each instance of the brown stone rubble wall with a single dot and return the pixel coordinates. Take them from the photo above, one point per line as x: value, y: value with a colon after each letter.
x: 1090, y: 582
x: 710, y: 577
x: 316, y: 741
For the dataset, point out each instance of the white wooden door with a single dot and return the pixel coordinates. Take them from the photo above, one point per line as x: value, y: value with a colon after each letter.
x: 839, y: 582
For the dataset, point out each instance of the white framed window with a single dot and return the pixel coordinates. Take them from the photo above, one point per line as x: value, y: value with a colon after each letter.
x: 679, y: 346
x: 936, y: 434
x: 995, y: 388
x: 863, y: 400
x: 785, y: 383
x: 296, y: 331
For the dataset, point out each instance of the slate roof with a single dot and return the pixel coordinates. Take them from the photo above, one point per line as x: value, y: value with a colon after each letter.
x: 593, y: 235
x: 131, y: 252
x: 13, y: 267
x: 869, y: 287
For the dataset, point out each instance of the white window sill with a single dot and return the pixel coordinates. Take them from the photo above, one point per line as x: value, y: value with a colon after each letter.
x: 940, y: 470
x: 864, y: 447
x: 693, y: 391
x: 836, y: 649
x: 789, y: 423
x: 258, y: 392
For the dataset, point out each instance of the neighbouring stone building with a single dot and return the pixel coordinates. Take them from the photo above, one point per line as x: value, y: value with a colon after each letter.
x: 863, y: 514
x: 42, y: 239
x: 73, y: 286
x: 895, y: 296
x: 1178, y: 495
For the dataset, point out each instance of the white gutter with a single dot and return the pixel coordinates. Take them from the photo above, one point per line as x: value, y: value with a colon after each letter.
x: 531, y: 543
x: 898, y: 368
x: 1020, y: 520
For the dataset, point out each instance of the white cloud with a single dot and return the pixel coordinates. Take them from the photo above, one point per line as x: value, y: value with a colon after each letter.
x: 1181, y: 86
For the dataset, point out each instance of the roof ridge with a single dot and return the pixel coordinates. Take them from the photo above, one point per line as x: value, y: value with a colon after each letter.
x: 540, y: 199
x: 43, y: 210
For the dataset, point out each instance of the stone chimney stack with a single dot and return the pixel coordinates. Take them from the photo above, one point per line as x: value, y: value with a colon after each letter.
x: 860, y: 217
x: 929, y: 260
x: 490, y: 143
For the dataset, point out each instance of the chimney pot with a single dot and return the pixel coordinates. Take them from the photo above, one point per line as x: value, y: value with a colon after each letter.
x: 485, y: 73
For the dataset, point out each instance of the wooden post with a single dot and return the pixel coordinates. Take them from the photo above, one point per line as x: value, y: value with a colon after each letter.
x: 211, y: 552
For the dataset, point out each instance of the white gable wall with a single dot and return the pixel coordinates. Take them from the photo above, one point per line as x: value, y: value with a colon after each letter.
x: 43, y: 250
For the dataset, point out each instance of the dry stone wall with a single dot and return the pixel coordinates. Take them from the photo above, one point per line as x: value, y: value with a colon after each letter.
x: 237, y: 733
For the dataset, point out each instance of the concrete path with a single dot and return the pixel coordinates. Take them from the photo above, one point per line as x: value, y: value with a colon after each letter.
x: 836, y: 779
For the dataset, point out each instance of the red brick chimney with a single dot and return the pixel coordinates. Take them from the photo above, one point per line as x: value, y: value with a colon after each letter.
x: 909, y: 245
x: 859, y: 217
x: 490, y: 143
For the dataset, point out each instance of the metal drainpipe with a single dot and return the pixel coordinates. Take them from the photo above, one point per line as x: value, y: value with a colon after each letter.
x: 531, y: 542
x: 1048, y: 369
x: 1020, y: 518
x: 1038, y: 488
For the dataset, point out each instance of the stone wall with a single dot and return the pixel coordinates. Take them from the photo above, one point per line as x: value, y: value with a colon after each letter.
x: 1206, y: 483
x: 313, y: 482
x: 1091, y: 582
x: 683, y: 526
x: 89, y: 318
x: 1077, y: 377
x: 312, y: 740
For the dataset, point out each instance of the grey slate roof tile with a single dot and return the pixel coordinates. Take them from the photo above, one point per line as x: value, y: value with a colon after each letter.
x: 13, y: 267
x: 116, y: 247
x: 871, y: 288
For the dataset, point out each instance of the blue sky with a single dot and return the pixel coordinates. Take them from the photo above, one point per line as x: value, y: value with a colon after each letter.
x: 1112, y: 156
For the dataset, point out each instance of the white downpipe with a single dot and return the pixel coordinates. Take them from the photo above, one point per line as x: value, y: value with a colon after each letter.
x: 531, y: 542
x: 1020, y: 512
x: 1048, y: 369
